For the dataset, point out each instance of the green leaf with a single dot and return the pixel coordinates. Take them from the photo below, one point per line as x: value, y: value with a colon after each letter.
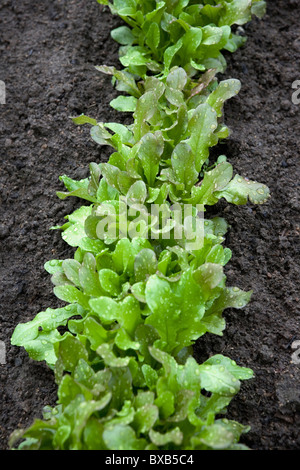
x: 124, y: 341
x: 231, y: 297
x: 153, y: 37
x: 124, y: 103
x: 208, y: 276
x: 145, y: 418
x: 110, y: 358
x: 259, y: 8
x: 190, y: 42
x: 191, y: 303
x: 82, y: 119
x: 151, y: 147
x: 134, y: 56
x: 95, y: 332
x: 211, y: 35
x: 138, y: 290
x: 71, y: 295
x: 123, y: 35
x: 145, y: 110
x: 122, y: 438
x: 93, y: 246
x: 240, y: 189
x: 146, y: 335
x: 236, y: 12
x: 70, y: 351
x: 145, y: 264
x: 240, y: 373
x: 183, y: 164
x: 217, y: 379
x: 177, y: 78
x: 123, y: 132
x: 170, y: 53
x: 77, y: 189
x: 213, y: 183
x: 174, y: 436
x: 137, y: 193
x: 53, y: 266
x: 125, y: 80
x: 201, y: 127
x: 110, y: 281
x: 160, y: 299
x: 225, y: 90
x: 71, y: 269
x: 126, y: 312
x: 165, y: 402
x: 89, y: 277
x: 150, y: 376
x: 215, y: 437
x: 101, y: 136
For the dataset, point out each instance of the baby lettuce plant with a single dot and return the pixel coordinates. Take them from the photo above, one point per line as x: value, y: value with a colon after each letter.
x: 162, y: 34
x: 148, y: 279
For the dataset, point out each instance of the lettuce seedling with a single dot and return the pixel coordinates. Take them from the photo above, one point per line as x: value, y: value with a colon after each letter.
x: 107, y: 402
x: 168, y: 144
x: 164, y: 34
x: 180, y: 295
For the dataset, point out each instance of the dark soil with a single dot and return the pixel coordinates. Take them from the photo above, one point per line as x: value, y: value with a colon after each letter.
x: 48, y: 53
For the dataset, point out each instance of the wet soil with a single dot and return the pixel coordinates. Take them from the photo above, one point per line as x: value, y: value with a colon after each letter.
x: 48, y: 51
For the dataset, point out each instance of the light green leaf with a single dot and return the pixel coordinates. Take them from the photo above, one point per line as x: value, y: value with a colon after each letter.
x: 82, y: 119
x: 217, y: 379
x: 201, y: 128
x: 145, y: 418
x: 124, y: 104
x: 183, y: 164
x: 71, y: 294
x: 174, y: 436
x: 151, y: 147
x: 110, y: 281
x: 123, y: 35
x: 240, y: 189
x: 122, y: 438
x: 225, y: 90
x: 177, y: 78
x: 145, y: 264
x: 240, y: 373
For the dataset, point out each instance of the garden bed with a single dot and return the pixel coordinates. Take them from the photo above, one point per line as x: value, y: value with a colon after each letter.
x: 48, y: 54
